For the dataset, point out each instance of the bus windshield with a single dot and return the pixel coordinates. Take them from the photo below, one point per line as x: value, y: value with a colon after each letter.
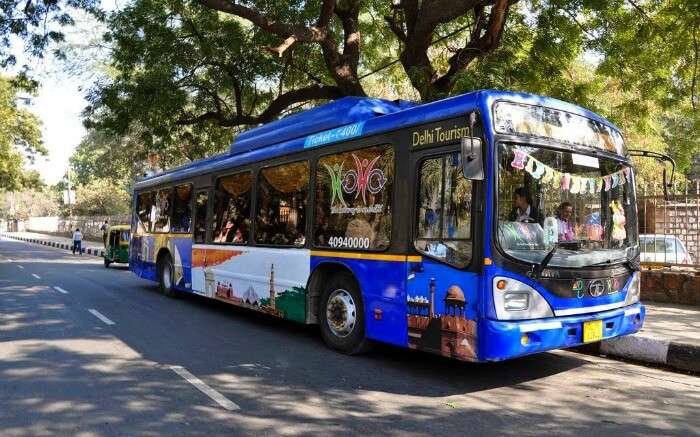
x: 583, y: 204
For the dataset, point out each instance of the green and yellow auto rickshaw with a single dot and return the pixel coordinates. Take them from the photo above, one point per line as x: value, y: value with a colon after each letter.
x: 116, y: 241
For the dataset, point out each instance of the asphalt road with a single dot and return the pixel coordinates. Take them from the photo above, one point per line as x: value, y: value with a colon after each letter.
x: 106, y: 354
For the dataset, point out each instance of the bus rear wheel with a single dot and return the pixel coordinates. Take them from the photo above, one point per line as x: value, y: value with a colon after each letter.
x: 166, y: 275
x: 341, y: 316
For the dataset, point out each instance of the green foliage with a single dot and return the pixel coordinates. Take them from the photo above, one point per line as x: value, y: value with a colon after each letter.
x: 608, y: 57
x: 20, y: 139
x: 38, y: 24
x: 100, y: 197
x: 176, y: 63
x: 103, y: 155
x: 186, y: 77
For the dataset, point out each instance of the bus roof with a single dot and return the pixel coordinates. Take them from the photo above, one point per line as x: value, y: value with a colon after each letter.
x: 345, y: 118
x: 346, y: 110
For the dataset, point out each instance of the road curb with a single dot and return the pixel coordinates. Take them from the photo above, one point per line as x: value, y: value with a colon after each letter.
x: 64, y: 246
x: 645, y: 348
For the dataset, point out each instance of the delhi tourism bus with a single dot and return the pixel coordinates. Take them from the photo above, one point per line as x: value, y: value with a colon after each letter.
x: 481, y: 227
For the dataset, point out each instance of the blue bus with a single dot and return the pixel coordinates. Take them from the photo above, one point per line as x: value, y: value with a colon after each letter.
x: 480, y: 227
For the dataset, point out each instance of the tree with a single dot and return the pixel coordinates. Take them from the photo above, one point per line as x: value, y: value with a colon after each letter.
x: 38, y: 24
x: 183, y: 65
x: 189, y: 75
x: 20, y: 139
x: 27, y: 203
x: 101, y: 197
x: 102, y: 155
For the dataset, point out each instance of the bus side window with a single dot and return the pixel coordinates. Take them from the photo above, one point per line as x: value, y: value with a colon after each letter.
x: 200, y: 217
x: 231, y: 220
x: 282, y: 196
x: 143, y: 212
x: 182, y: 209
x: 353, y: 199
x: 161, y: 210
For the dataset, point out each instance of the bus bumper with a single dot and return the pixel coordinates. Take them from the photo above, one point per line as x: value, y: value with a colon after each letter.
x: 500, y: 340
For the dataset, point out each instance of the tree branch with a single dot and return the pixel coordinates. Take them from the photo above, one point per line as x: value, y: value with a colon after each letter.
x: 434, y: 12
x: 343, y: 67
x: 276, y: 106
x: 478, y: 45
x: 396, y: 26
x: 291, y: 33
x: 262, y: 21
x: 326, y: 14
x: 410, y: 10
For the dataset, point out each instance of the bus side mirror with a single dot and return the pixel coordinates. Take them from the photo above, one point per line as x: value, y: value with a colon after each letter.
x: 472, y: 158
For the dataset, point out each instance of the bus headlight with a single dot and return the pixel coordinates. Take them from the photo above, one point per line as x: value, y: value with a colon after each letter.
x: 517, y: 301
x: 633, y: 291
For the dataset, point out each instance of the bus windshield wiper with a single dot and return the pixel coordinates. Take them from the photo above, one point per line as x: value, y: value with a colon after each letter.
x: 539, y: 268
x: 626, y: 261
x: 609, y: 261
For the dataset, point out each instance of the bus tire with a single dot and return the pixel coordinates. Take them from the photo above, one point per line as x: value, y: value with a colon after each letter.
x: 341, y: 315
x: 166, y: 275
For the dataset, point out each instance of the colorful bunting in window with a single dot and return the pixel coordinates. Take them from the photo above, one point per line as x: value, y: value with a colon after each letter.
x: 519, y: 159
x: 567, y: 182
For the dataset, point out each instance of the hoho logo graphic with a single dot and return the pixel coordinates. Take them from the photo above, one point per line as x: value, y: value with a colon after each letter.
x: 360, y: 180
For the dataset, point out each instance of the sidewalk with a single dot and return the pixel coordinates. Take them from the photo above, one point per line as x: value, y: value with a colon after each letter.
x: 89, y: 247
x: 670, y: 337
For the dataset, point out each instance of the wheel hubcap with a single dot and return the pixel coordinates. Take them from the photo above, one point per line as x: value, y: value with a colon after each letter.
x: 341, y: 313
x: 167, y: 281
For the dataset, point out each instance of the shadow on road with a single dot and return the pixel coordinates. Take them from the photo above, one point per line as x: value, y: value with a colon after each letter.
x: 61, y: 370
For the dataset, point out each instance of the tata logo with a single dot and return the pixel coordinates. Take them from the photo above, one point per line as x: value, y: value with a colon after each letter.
x: 596, y: 288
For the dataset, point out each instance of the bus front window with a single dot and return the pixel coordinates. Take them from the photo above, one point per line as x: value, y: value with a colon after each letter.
x: 584, y: 203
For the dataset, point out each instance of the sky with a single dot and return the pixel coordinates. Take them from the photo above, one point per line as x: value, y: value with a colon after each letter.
x: 60, y: 100
x: 58, y: 105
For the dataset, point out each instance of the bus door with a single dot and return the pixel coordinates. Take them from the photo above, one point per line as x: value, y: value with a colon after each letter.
x: 442, y: 281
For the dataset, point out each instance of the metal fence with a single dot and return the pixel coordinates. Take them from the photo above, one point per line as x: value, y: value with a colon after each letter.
x: 670, y: 229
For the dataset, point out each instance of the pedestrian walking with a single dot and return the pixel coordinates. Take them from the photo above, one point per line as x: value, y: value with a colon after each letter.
x: 78, y: 241
x: 103, y: 228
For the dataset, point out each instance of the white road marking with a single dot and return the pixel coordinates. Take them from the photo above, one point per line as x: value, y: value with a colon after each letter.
x: 36, y: 276
x: 201, y: 386
x: 60, y: 290
x: 21, y: 267
x: 101, y: 317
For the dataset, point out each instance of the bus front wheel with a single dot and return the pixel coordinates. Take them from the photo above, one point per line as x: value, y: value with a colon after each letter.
x: 166, y: 275
x: 341, y: 315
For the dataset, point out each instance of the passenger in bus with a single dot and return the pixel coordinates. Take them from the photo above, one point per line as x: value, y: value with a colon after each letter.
x: 431, y: 222
x: 226, y: 233
x: 524, y: 210
x: 184, y: 225
x: 566, y: 229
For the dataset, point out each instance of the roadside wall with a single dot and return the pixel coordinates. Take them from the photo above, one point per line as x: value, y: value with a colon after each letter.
x: 679, y: 216
x: 671, y: 286
x: 64, y: 226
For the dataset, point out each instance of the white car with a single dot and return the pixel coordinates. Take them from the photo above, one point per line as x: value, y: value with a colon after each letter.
x: 663, y: 249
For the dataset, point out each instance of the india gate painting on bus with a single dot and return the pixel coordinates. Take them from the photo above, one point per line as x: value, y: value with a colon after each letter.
x: 450, y: 334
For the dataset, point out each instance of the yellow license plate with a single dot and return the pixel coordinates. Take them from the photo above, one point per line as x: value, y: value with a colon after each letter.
x: 592, y: 331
